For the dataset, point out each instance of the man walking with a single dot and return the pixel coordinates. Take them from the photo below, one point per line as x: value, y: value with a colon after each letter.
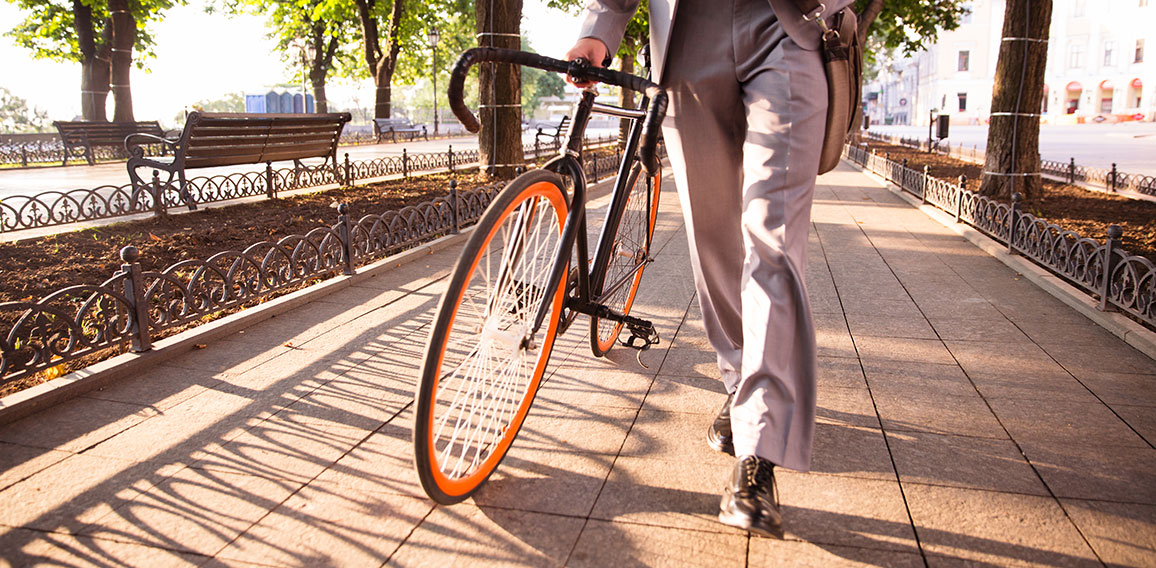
x: 748, y: 101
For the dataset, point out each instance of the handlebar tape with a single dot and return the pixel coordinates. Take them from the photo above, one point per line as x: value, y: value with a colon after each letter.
x: 579, y: 70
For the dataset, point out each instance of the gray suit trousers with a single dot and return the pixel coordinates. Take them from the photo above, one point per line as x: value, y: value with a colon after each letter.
x: 747, y: 115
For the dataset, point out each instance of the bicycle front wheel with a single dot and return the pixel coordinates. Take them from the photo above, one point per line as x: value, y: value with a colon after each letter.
x: 485, y: 359
x: 622, y: 255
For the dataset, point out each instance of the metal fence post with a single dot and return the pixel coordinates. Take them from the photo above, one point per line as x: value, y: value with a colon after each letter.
x: 1013, y: 222
x: 346, y: 234
x: 1114, y: 174
x: 1072, y: 170
x: 404, y: 163
x: 537, y: 147
x: 926, y: 181
x: 454, y: 207
x: 270, y: 191
x: 135, y: 294
x: 962, y: 187
x: 450, y: 154
x: 23, y: 155
x: 1114, y: 234
x: 903, y: 176
x: 158, y: 203
x: 348, y: 170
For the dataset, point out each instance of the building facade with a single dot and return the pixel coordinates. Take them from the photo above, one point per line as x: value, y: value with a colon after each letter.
x: 1098, y: 69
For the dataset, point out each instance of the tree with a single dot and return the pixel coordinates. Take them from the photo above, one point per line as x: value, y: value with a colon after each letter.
x: 910, y: 25
x: 16, y: 117
x: 1012, y: 161
x: 380, y: 59
x: 499, y: 88
x: 320, y: 27
x: 101, y: 35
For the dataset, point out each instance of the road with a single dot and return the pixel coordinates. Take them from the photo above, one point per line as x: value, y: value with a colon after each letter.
x: 1130, y: 145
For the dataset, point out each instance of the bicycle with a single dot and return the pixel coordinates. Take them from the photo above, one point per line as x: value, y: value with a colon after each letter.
x: 513, y: 289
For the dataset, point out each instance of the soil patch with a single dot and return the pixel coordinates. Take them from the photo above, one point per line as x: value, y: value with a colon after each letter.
x: 1075, y: 208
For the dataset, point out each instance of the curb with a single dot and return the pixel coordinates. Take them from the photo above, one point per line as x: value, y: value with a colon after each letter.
x: 26, y: 402
x: 1117, y: 324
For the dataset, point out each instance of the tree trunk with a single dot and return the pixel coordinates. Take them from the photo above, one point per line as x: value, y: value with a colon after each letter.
x: 499, y: 86
x: 870, y: 12
x: 625, y: 100
x: 94, y: 67
x: 320, y: 68
x: 381, y: 64
x: 1012, y: 163
x: 123, y: 38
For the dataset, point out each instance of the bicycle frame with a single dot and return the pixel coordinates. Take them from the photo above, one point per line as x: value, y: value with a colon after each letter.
x: 574, y: 233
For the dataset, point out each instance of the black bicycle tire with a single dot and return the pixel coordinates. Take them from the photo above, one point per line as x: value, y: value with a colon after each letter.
x: 423, y: 436
x: 605, y: 249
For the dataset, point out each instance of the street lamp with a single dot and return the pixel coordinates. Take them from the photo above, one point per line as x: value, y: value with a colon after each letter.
x: 432, y: 38
x: 307, y: 52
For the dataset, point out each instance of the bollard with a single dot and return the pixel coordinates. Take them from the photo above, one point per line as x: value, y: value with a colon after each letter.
x: 1114, y: 174
x: 455, y: 226
x: 270, y: 191
x: 1072, y: 171
x: 345, y: 231
x: 134, y: 292
x: 348, y: 170
x: 1013, y: 222
x: 404, y: 163
x: 1108, y: 264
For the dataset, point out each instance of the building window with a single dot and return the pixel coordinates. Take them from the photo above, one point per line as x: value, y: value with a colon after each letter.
x: 1109, y: 54
x: 1106, y: 104
x: 964, y: 60
x: 1139, y: 51
x: 962, y: 101
x: 1075, y: 56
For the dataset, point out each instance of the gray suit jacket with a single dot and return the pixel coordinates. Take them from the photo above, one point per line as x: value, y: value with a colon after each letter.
x: 606, y: 20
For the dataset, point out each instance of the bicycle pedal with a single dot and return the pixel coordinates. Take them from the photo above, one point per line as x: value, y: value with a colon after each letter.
x: 642, y: 337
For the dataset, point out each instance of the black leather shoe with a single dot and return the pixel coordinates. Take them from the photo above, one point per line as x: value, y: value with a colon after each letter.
x: 719, y: 435
x: 749, y: 502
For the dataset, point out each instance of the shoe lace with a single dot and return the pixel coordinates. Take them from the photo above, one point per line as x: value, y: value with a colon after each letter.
x: 758, y: 473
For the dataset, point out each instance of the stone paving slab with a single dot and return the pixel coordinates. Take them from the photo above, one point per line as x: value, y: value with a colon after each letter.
x: 966, y: 417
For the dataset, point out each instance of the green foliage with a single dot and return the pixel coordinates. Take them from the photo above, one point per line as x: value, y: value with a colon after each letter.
x: 16, y: 117
x: 49, y: 27
x: 537, y: 84
x: 454, y: 20
x: 910, y: 25
x: 232, y: 102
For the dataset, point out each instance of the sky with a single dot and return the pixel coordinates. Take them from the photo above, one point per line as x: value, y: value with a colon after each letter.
x: 235, y: 56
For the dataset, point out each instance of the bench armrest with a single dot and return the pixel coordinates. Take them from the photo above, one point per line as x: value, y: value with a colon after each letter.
x: 133, y: 143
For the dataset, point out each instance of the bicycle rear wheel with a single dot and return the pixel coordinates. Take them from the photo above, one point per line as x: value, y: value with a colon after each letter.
x: 622, y: 255
x: 484, y: 360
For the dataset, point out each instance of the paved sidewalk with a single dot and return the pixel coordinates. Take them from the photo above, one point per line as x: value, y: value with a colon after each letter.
x: 966, y: 417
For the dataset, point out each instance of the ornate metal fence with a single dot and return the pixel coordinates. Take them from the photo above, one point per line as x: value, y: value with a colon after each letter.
x: 1120, y: 280
x: 52, y: 208
x: 1110, y: 179
x: 134, y: 305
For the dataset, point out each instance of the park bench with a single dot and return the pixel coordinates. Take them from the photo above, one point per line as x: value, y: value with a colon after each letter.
x: 558, y: 132
x: 80, y: 138
x: 228, y: 139
x: 394, y: 126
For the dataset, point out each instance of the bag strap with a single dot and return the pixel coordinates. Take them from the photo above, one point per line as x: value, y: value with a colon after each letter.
x: 811, y: 9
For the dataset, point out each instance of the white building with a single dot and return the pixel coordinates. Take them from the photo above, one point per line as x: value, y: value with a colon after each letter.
x: 1097, y: 67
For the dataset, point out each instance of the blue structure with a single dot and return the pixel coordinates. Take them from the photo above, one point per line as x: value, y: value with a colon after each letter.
x: 274, y: 102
